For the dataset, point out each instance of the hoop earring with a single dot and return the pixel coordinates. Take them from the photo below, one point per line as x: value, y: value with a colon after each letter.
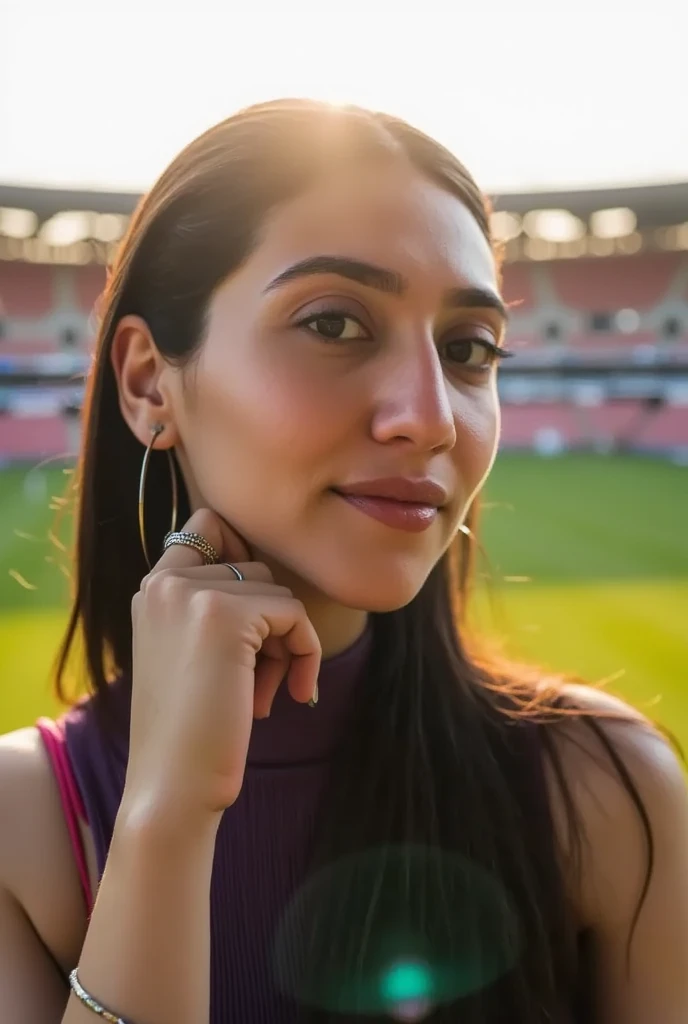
x: 157, y: 430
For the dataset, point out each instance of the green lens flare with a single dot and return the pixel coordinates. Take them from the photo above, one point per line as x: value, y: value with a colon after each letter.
x: 405, y: 981
x: 396, y: 930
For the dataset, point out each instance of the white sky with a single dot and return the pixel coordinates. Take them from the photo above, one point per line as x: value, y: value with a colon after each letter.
x: 528, y: 93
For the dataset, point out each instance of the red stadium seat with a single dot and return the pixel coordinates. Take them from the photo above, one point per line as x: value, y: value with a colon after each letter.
x: 521, y: 424
x: 614, y: 283
x: 26, y: 289
x: 33, y: 437
x: 629, y: 422
x: 614, y: 419
x: 517, y: 286
x: 667, y: 429
x: 88, y: 284
x: 28, y: 346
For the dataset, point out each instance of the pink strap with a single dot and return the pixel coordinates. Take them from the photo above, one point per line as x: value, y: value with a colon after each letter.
x: 72, y: 804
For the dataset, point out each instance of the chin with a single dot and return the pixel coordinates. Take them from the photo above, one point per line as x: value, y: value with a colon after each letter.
x: 382, y: 592
x: 389, y: 603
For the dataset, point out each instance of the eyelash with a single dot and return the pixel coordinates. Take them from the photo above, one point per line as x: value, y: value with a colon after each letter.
x: 495, y: 352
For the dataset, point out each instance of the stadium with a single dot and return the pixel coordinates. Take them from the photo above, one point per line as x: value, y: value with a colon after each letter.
x: 584, y: 530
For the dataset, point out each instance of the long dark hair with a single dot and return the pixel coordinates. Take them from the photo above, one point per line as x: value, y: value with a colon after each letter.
x: 443, y: 754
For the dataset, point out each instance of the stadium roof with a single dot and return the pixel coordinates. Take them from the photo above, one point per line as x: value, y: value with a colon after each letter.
x: 46, y: 202
x: 54, y: 225
x: 653, y: 205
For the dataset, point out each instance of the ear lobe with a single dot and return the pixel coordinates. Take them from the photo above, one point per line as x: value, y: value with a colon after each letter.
x: 138, y: 366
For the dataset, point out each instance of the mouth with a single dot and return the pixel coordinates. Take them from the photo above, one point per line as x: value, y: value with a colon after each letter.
x: 398, y: 502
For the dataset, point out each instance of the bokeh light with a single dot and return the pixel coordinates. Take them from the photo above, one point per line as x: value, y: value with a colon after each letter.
x: 396, y: 930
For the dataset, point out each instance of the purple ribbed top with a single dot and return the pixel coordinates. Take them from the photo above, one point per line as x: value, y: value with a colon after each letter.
x: 264, y: 839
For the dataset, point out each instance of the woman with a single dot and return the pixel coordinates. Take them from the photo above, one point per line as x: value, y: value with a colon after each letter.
x: 306, y: 312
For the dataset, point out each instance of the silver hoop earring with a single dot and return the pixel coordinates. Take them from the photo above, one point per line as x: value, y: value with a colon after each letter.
x: 157, y: 430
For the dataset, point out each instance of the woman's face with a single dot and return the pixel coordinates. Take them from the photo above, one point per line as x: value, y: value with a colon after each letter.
x: 353, y: 346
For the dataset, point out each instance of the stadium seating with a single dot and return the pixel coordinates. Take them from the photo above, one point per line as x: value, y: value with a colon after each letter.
x: 34, y: 437
x: 39, y: 302
x: 88, y: 285
x: 668, y: 429
x: 628, y: 423
x: 522, y: 425
x: 614, y: 283
x: 518, y: 287
x: 25, y: 289
x: 28, y: 346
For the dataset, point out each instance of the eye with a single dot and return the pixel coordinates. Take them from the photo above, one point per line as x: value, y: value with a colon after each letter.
x: 335, y: 325
x: 473, y: 353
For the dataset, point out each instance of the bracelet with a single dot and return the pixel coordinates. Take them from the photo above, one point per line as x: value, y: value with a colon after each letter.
x: 81, y: 994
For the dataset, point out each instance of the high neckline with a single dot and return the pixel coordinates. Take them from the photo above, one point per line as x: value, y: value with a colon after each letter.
x: 296, y: 733
x: 293, y: 734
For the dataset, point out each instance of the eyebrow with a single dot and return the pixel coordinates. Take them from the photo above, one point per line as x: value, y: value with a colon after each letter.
x: 383, y: 280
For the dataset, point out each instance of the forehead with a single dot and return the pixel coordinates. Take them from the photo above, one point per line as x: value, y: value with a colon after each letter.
x: 391, y: 216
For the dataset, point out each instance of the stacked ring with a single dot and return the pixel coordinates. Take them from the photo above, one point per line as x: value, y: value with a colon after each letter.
x: 195, y: 541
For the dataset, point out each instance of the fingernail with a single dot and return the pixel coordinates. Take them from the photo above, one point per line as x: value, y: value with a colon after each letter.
x: 314, y: 699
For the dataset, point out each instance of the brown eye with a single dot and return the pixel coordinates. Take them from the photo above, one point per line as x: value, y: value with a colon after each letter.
x: 474, y: 353
x: 334, y: 326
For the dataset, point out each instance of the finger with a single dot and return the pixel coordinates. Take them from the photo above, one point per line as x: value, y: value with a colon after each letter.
x: 288, y: 621
x: 271, y: 668
x: 236, y: 588
x: 226, y: 542
x: 206, y: 574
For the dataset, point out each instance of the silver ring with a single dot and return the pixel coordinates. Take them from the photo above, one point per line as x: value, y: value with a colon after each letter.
x: 237, y: 572
x: 185, y: 538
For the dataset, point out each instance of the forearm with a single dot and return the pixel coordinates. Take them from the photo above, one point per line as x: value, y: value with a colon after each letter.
x: 146, y: 956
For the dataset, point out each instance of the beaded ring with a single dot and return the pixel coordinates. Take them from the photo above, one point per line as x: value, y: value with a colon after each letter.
x: 195, y: 541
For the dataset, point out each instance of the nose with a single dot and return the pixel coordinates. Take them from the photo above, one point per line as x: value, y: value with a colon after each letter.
x: 414, y: 404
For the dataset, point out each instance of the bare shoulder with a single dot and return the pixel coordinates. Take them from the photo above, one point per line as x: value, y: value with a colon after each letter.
x: 37, y: 865
x: 629, y: 791
x: 610, y: 727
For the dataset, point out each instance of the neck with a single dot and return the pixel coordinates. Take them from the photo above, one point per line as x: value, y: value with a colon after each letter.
x: 337, y: 626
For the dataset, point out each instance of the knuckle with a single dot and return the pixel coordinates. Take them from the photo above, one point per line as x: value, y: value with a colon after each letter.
x: 145, y: 584
x: 208, y: 604
x: 163, y: 587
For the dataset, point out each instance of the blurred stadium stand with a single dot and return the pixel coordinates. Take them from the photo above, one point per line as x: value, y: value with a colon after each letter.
x: 597, y: 282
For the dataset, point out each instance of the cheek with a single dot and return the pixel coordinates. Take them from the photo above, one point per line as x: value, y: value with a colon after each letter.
x: 263, y: 417
x: 477, y: 422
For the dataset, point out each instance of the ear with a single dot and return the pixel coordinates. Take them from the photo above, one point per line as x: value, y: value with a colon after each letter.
x: 143, y: 381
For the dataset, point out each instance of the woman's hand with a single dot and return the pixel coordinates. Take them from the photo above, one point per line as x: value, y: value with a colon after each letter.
x: 209, y: 652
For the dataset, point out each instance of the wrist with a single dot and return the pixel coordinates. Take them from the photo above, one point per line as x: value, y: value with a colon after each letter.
x: 164, y: 823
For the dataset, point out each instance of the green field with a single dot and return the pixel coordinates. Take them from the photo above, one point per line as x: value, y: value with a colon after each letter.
x: 588, y: 567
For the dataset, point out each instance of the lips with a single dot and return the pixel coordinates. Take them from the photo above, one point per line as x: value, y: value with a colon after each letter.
x: 405, y: 489
x: 398, y: 502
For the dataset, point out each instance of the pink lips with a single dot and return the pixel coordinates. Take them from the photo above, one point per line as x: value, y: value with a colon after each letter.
x: 399, y: 502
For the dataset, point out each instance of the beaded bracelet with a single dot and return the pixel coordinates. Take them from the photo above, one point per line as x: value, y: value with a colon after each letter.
x: 81, y: 994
